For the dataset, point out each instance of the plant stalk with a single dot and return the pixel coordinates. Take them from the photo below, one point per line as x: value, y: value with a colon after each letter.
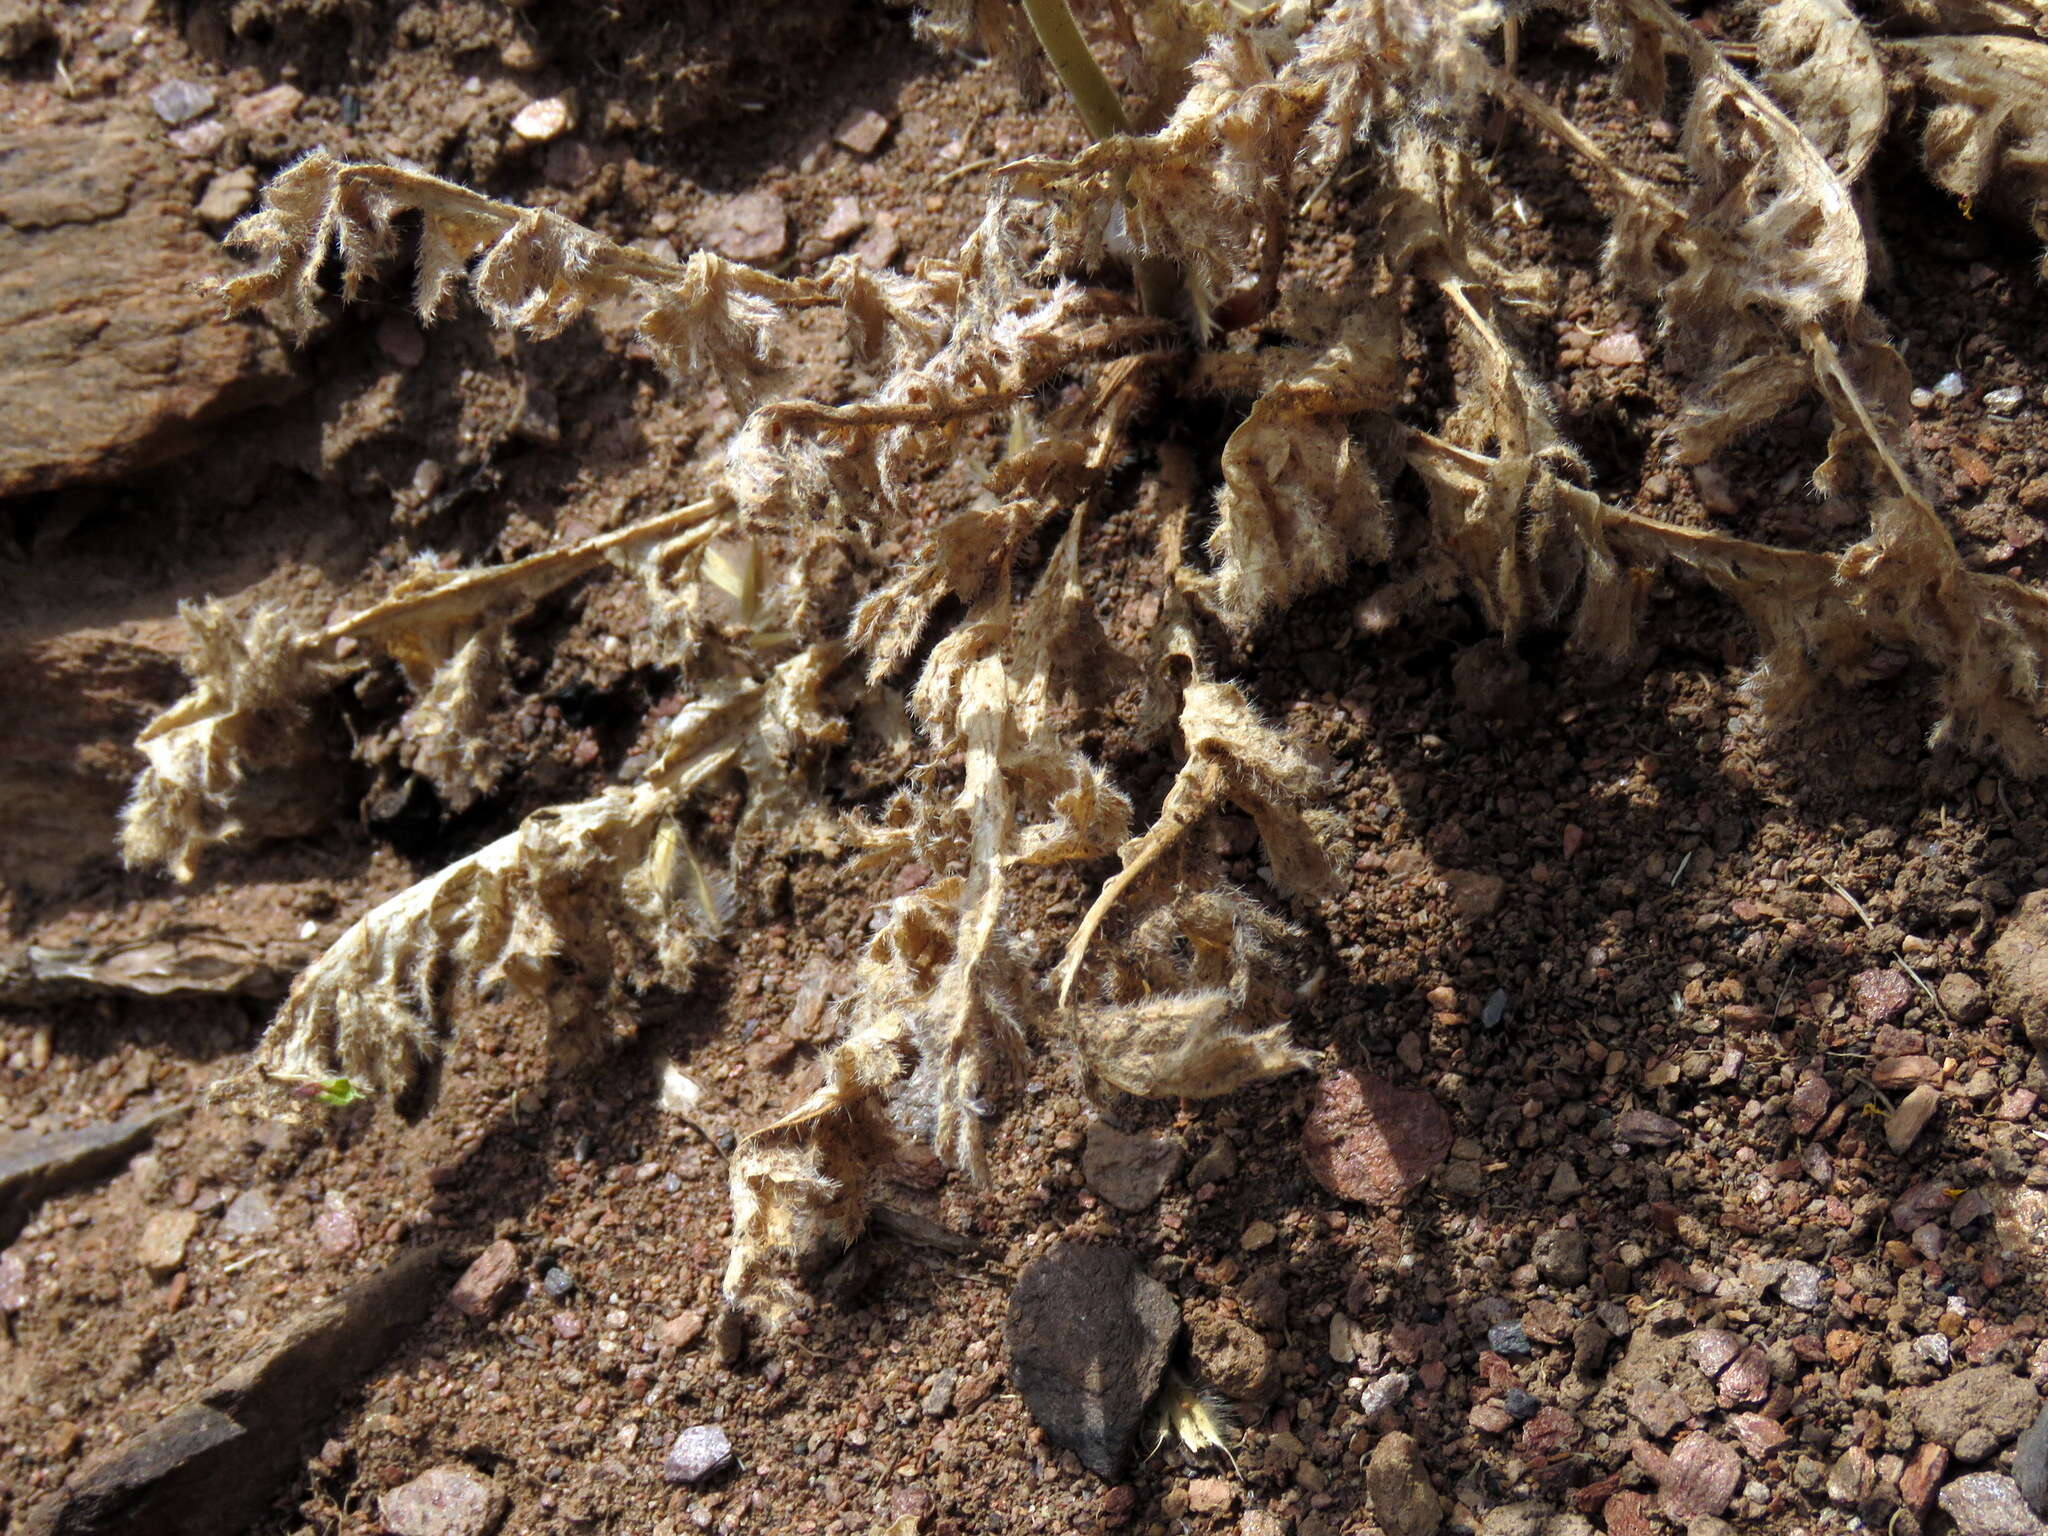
x: 1102, y: 114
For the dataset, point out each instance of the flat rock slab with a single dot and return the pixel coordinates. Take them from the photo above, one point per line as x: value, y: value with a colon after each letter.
x: 1089, y: 1337
x: 1369, y: 1141
x: 33, y: 1168
x: 210, y: 1467
x: 109, y: 354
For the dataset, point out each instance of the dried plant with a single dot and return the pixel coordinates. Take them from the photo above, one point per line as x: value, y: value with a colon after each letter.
x: 1024, y: 358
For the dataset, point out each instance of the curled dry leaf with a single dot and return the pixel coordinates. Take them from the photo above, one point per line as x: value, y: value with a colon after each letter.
x: 245, y: 717
x: 1820, y: 65
x: 1988, y: 130
x: 245, y: 726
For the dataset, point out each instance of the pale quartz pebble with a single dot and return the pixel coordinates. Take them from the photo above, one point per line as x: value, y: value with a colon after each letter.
x: 2005, y: 401
x: 1951, y: 387
x: 179, y: 101
x: 546, y: 118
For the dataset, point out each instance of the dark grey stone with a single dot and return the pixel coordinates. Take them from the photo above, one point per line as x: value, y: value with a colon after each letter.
x: 33, y: 1168
x: 1089, y: 1337
x: 2030, y: 1464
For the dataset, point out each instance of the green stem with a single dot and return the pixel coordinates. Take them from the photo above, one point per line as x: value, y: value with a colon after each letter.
x: 1102, y: 113
x: 1071, y: 59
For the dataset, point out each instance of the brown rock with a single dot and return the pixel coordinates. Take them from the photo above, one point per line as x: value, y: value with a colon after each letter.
x: 269, y: 111
x: 1210, y: 1496
x: 1989, y: 1504
x: 843, y: 220
x: 2018, y: 966
x: 1904, y: 1071
x: 1810, y: 1101
x: 1550, y: 1429
x: 109, y: 356
x: 1474, y: 897
x: 1711, y: 1350
x: 683, y: 1330
x: 1369, y: 1141
x: 335, y: 1230
x: 1490, y: 1418
x: 1903, y: 1126
x: 1988, y: 1397
x: 485, y: 1284
x: 752, y: 226
x: 1627, y: 1514
x: 1404, y: 1503
x: 1759, y: 1435
x: 881, y: 244
x: 863, y: 132
x: 1646, y: 1128
x: 1658, y: 1407
x: 1851, y: 1477
x: 1130, y: 1172
x: 1922, y: 1476
x: 1089, y: 1335
x: 1232, y: 1358
x: 1962, y: 998
x: 1747, y: 1380
x: 164, y: 1238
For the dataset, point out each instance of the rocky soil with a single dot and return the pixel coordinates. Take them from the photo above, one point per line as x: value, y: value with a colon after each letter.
x: 1675, y: 1161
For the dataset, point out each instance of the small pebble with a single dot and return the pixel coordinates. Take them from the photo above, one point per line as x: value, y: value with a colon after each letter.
x: 863, y: 132
x: 13, y: 1281
x: 1800, y: 1286
x: 446, y: 1501
x: 1509, y: 1339
x: 1383, y: 1393
x: 557, y: 1282
x: 543, y: 120
x: 268, y: 111
x: 1903, y: 1126
x: 2004, y: 401
x: 249, y: 1215
x: 484, y: 1285
x: 335, y: 1231
x: 179, y: 101
x: 1951, y: 387
x: 700, y: 1452
x: 227, y: 196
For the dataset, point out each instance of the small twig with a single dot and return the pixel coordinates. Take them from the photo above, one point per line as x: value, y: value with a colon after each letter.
x: 967, y: 170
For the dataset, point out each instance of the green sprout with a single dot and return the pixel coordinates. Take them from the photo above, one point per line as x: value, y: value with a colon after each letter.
x: 331, y: 1092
